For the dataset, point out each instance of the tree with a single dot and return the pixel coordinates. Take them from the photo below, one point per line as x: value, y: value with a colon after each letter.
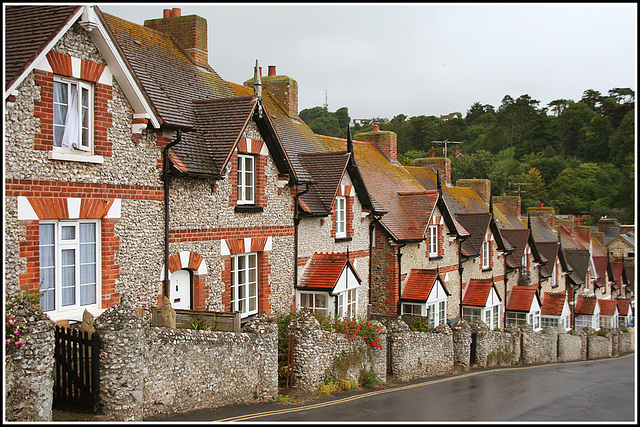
x: 623, y: 95
x: 559, y: 105
x: 342, y: 114
x: 622, y: 142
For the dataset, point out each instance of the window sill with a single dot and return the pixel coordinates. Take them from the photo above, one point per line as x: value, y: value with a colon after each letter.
x: 74, y: 157
x: 343, y: 239
x: 248, y: 209
x: 434, y: 258
x: 486, y: 269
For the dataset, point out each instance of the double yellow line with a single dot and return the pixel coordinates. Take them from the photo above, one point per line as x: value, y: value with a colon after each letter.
x: 400, y: 388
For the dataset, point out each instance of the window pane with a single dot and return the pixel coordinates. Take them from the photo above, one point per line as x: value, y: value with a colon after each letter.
x: 68, y: 232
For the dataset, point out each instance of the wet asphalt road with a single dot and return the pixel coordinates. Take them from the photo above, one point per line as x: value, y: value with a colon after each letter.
x: 594, y: 390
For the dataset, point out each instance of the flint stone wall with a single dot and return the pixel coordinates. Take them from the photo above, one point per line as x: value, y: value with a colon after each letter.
x: 598, y: 346
x: 539, y: 347
x: 415, y: 354
x: 461, y: 345
x: 29, y: 369
x: 625, y: 342
x: 147, y: 370
x: 569, y: 347
x: 494, y: 348
x: 319, y: 355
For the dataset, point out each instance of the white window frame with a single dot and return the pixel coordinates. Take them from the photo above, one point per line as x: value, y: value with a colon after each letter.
x: 433, y: 241
x: 60, y: 273
x: 341, y: 216
x: 246, y: 179
x: 244, y: 283
x: 310, y: 301
x: 485, y: 254
x: 85, y: 141
x: 413, y: 309
x: 348, y: 303
x: 472, y: 313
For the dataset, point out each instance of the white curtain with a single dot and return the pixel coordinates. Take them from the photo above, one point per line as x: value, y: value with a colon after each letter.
x: 70, y: 137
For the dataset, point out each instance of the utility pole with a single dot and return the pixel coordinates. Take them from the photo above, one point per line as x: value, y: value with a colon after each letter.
x: 520, y: 184
x: 445, y: 142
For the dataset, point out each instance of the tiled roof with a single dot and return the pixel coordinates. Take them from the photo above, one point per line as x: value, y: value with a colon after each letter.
x: 506, y: 218
x: 419, y: 284
x: 578, y: 260
x: 169, y: 77
x: 324, y: 271
x: 520, y: 298
x: 477, y: 292
x: 542, y: 231
x: 28, y: 30
x: 623, y: 306
x: 616, y: 268
x: 392, y: 188
x: 518, y: 239
x: 571, y: 241
x: 586, y: 305
x: 219, y: 124
x: 600, y: 263
x: 608, y: 307
x: 553, y: 303
x: 477, y: 224
x: 549, y: 250
x: 327, y: 170
x: 296, y: 137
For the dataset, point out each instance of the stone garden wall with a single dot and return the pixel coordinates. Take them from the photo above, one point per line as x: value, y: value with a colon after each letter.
x: 320, y: 355
x: 415, y: 354
x: 147, y: 370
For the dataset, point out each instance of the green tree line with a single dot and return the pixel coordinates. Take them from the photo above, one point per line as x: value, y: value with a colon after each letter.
x: 577, y: 157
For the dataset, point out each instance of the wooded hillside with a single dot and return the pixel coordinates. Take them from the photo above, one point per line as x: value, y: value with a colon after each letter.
x: 575, y: 156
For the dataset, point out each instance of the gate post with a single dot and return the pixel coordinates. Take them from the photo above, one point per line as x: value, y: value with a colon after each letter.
x: 122, y: 362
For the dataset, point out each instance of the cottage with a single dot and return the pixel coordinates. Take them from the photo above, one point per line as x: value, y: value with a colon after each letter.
x: 587, y: 312
x: 608, y: 313
x: 523, y: 306
x: 625, y: 313
x: 555, y: 310
x: 480, y: 301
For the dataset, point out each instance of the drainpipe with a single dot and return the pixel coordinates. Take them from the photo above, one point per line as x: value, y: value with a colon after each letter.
x: 296, y: 221
x: 399, y: 312
x: 166, y: 178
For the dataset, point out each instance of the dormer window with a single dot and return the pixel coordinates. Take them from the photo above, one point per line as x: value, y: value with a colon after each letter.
x: 72, y: 114
x: 246, y: 179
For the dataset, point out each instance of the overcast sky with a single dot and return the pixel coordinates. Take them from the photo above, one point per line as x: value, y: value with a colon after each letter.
x: 381, y: 60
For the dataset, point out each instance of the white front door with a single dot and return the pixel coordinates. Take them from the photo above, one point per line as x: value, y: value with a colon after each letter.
x: 180, y: 290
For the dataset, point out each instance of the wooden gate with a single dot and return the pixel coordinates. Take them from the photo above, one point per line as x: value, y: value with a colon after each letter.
x: 285, y: 362
x: 77, y: 365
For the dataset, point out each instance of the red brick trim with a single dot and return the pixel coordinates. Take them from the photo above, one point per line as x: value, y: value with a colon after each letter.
x: 60, y: 64
x: 49, y: 189
x: 90, y: 71
x: 229, y: 234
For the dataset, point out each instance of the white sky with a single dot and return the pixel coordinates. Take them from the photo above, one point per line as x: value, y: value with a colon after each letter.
x: 382, y: 59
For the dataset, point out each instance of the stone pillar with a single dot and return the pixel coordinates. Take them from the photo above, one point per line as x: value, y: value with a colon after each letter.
x: 122, y: 363
x: 29, y: 363
x: 461, y: 345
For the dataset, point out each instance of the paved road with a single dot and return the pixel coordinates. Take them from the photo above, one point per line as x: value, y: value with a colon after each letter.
x: 594, y: 390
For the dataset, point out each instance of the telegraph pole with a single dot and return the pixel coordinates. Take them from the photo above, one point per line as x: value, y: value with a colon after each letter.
x: 445, y: 142
x: 520, y: 184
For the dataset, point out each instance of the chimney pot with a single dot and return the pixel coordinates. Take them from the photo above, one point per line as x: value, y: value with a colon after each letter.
x: 433, y: 154
x: 176, y: 11
x: 376, y: 128
x: 166, y: 13
x: 260, y: 71
x: 272, y: 70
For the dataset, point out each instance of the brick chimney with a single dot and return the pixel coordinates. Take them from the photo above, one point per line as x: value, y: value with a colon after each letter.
x: 514, y: 202
x: 385, y: 141
x: 546, y: 213
x: 283, y: 88
x: 441, y: 165
x: 482, y: 186
x: 189, y: 31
